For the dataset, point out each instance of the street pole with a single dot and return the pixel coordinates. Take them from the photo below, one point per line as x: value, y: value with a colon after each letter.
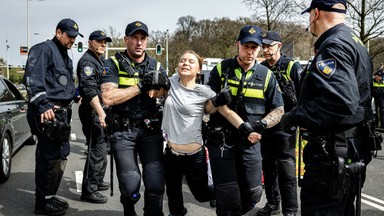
x: 166, y: 52
x: 27, y: 26
x: 7, y: 47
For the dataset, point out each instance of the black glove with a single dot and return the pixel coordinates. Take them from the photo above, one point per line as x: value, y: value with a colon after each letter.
x: 288, y: 123
x: 259, y: 126
x: 222, y: 98
x: 157, y: 80
x: 144, y: 86
x: 245, y: 129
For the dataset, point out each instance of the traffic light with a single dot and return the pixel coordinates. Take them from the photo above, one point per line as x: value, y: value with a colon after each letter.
x: 80, y: 46
x: 158, y: 49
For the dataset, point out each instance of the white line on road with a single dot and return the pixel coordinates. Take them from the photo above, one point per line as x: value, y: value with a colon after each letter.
x: 371, y: 203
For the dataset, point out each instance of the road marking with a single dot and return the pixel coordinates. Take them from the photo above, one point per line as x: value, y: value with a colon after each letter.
x: 371, y: 203
x: 79, y: 180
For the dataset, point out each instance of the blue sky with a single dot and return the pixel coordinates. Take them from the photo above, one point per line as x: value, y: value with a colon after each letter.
x: 100, y: 14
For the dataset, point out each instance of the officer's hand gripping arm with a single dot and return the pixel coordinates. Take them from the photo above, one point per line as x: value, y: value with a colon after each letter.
x: 223, y: 97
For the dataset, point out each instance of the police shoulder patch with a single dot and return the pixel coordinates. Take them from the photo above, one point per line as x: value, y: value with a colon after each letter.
x: 88, y: 70
x: 326, y: 67
x: 105, y: 71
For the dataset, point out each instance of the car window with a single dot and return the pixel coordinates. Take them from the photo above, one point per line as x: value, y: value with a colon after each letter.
x: 5, y: 94
x: 14, y: 91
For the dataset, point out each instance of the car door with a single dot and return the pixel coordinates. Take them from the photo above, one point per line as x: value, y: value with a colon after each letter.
x: 15, y: 106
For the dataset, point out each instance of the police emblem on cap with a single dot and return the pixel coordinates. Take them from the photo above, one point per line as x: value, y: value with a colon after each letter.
x: 264, y: 34
x: 75, y: 26
x: 138, y: 24
x: 252, y: 31
x: 88, y: 70
x: 102, y: 33
x: 326, y: 67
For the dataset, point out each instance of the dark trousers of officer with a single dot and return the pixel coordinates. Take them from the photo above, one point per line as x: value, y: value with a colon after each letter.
x: 98, y: 152
x: 378, y: 94
x: 317, y: 178
x: 279, y: 168
x: 194, y: 168
x: 50, y: 157
x: 236, y: 173
x: 148, y: 144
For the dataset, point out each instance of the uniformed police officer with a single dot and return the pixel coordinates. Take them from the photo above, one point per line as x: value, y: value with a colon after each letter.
x: 136, y: 122
x: 278, y: 146
x: 236, y: 164
x: 49, y: 80
x: 378, y: 94
x: 92, y: 117
x: 334, y: 103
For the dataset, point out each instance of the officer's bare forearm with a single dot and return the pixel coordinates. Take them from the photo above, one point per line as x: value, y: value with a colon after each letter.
x: 96, y: 105
x: 112, y: 95
x: 273, y: 117
x: 230, y: 115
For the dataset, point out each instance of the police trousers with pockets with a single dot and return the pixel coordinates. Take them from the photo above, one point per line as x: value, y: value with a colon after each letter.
x: 279, y: 168
x: 98, y: 150
x: 236, y: 173
x: 317, y: 177
x: 148, y: 145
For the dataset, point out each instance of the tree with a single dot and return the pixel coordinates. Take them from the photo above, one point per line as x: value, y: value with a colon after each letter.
x: 367, y: 18
x: 273, y: 12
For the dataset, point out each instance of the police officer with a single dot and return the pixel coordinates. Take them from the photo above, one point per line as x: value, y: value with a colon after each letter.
x: 49, y: 80
x: 256, y: 98
x: 136, y: 122
x: 92, y: 117
x: 378, y: 94
x: 277, y: 146
x: 334, y: 102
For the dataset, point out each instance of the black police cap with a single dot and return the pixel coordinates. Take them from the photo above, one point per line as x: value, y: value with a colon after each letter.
x: 270, y: 37
x: 250, y: 33
x: 99, y: 36
x: 134, y: 27
x: 69, y: 26
x: 326, y: 5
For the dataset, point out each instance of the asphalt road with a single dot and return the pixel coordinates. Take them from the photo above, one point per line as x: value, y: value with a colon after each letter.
x: 17, y: 194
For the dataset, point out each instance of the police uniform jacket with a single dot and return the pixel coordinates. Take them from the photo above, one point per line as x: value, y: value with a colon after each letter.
x: 286, y: 68
x: 336, y: 90
x: 254, y: 92
x: 49, y: 76
x: 141, y: 106
x: 89, y: 70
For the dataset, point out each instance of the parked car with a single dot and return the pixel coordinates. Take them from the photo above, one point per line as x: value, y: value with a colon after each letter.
x: 14, y: 128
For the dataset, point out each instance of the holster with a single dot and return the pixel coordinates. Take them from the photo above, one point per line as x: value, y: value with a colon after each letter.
x: 214, y: 134
x: 340, y: 180
x: 58, y: 128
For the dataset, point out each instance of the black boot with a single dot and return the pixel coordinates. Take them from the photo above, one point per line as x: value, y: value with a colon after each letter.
x: 269, y: 209
x: 49, y: 207
x: 129, y: 210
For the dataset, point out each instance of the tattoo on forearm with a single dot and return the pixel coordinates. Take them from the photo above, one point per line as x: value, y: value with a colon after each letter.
x: 273, y: 118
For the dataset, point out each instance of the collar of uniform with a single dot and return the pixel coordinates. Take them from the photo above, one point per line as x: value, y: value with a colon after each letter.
x: 236, y: 65
x: 326, y: 34
x: 99, y: 59
x: 135, y: 64
x: 62, y: 49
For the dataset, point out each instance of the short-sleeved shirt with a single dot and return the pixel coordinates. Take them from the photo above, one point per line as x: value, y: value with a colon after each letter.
x: 183, y: 112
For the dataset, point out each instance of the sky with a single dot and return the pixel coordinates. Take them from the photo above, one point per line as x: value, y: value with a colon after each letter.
x: 99, y: 14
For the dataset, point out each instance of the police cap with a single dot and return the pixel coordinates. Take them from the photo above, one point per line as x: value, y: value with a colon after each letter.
x: 250, y: 33
x: 99, y: 36
x: 270, y: 37
x: 69, y: 26
x: 136, y: 26
x: 326, y: 5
